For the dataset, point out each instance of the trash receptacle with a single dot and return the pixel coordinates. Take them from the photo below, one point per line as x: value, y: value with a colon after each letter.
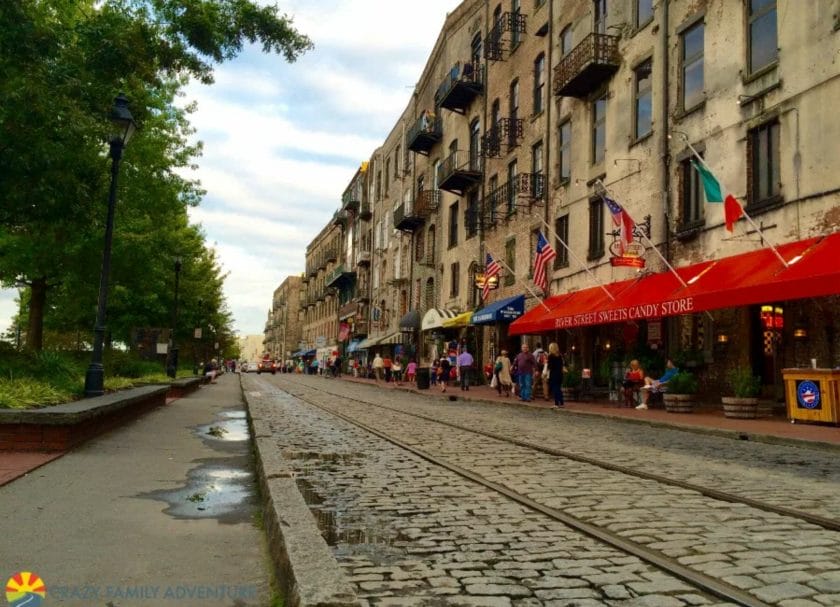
x: 422, y: 378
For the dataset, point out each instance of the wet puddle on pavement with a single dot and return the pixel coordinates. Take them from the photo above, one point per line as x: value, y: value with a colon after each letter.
x: 221, y: 488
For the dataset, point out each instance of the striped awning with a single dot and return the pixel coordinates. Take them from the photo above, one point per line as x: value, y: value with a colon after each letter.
x: 456, y: 322
x: 391, y: 340
x: 367, y: 343
x: 433, y: 319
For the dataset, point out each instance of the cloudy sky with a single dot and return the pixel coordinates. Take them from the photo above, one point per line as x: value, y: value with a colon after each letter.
x: 282, y: 141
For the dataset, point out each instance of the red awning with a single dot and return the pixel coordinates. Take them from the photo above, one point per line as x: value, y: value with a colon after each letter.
x: 739, y: 280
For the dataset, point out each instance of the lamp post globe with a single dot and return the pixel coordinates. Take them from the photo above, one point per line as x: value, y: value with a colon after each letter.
x: 123, y: 128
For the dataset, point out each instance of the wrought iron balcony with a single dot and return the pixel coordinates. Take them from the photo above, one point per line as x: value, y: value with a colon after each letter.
x: 507, y: 132
x: 331, y: 255
x: 340, y: 218
x: 410, y: 215
x: 338, y: 275
x: 365, y: 212
x: 495, y: 42
x: 463, y: 84
x: 427, y: 260
x: 459, y: 171
x: 350, y: 200
x: 425, y: 133
x: 587, y: 66
x: 531, y: 186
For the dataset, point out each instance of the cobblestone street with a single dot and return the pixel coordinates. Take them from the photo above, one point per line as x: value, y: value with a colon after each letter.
x: 406, y: 530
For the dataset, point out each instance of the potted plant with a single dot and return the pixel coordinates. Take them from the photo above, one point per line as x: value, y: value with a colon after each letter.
x: 746, y: 387
x: 571, y: 384
x: 680, y: 393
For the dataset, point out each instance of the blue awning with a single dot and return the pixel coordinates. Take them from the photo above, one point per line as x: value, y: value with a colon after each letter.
x: 304, y: 353
x: 353, y: 345
x: 506, y: 310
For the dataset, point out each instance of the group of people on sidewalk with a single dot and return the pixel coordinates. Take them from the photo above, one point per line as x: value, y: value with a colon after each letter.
x: 385, y: 369
x: 527, y: 367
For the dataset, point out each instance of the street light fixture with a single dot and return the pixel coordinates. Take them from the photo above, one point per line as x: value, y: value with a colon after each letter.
x: 124, y: 127
x: 172, y: 367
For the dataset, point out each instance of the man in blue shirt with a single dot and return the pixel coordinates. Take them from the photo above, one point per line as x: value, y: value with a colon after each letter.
x: 465, y: 364
x: 655, y: 385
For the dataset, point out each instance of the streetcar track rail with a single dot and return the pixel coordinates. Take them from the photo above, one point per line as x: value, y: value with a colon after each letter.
x: 699, y: 580
x: 815, y: 519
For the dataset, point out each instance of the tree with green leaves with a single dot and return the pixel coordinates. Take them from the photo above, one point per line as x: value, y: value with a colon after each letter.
x: 61, y: 63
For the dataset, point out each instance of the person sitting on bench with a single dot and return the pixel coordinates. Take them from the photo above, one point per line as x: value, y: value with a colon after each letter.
x: 634, y: 379
x: 656, y: 385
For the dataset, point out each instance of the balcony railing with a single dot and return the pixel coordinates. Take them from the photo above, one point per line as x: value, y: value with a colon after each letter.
x: 427, y: 260
x: 337, y: 275
x: 495, y: 42
x: 410, y: 215
x: 587, y: 66
x: 507, y: 132
x: 365, y: 212
x: 459, y: 171
x: 463, y: 84
x: 530, y: 186
x: 360, y: 327
x: 340, y: 218
x: 331, y: 255
x: 425, y: 133
x: 350, y: 199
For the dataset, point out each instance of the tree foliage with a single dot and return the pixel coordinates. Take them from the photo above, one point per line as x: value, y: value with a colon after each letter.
x: 61, y: 64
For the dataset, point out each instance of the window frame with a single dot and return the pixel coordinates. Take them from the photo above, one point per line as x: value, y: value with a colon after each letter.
x: 751, y: 19
x: 510, y: 260
x: 454, y: 278
x: 773, y: 165
x: 561, y: 231
x: 453, y: 225
x: 596, y: 125
x: 564, y: 158
x: 566, y: 35
x: 639, y: 95
x: 689, y: 62
x: 692, y: 198
x: 637, y: 14
x: 539, y: 84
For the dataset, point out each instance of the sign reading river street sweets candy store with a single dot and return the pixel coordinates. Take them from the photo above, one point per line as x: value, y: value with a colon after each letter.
x: 684, y: 305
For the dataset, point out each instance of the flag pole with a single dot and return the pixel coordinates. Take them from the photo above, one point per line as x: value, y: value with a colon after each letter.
x: 554, y: 235
x: 507, y: 267
x: 743, y: 210
x: 601, y: 191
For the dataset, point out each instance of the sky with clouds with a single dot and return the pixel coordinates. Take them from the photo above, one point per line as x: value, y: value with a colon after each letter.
x: 282, y: 141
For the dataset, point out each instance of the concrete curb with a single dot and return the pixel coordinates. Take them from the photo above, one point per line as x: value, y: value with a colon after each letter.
x: 306, y: 568
x: 721, y: 432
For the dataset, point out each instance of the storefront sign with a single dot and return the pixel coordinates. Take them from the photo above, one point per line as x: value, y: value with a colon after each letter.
x: 684, y: 305
x: 630, y: 258
x: 627, y: 262
x: 808, y: 394
x: 343, y: 331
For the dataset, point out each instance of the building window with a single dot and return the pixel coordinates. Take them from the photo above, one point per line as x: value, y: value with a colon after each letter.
x: 537, y: 183
x: 763, y: 35
x: 430, y: 294
x: 599, y: 129
x: 596, y: 228
x: 510, y: 260
x: 397, y: 162
x: 566, y: 41
x: 644, y: 12
x: 564, y: 150
x: 475, y: 145
x: 600, y: 17
x: 692, y: 66
x: 539, y: 83
x: 493, y: 202
x: 692, y: 196
x: 453, y: 224
x: 387, y: 173
x: 561, y: 231
x: 514, y: 100
x: 454, y: 279
x: 643, y: 100
x: 471, y: 214
x: 765, y: 184
x: 511, y: 188
x: 378, y: 185
x: 419, y: 245
x: 430, y: 244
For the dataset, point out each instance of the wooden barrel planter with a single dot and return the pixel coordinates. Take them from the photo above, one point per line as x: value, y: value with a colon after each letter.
x: 740, y: 408
x: 678, y: 403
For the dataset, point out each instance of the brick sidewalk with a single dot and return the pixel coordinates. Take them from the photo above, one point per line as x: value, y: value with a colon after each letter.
x: 707, y: 418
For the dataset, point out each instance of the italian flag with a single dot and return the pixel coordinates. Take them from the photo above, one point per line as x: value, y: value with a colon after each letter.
x: 732, y: 210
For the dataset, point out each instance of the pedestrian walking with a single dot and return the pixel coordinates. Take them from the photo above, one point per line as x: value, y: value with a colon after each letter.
x: 556, y: 366
x: 411, y: 371
x: 396, y: 371
x: 465, y: 364
x: 525, y: 364
x: 504, y: 382
x: 378, y: 366
x: 443, y: 373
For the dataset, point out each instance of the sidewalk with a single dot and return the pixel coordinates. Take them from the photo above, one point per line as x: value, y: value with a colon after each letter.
x: 156, y: 512
x: 707, y: 418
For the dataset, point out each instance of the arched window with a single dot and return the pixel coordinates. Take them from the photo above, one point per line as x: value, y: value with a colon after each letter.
x: 429, y: 295
x: 403, y: 303
x: 430, y: 244
x: 419, y: 245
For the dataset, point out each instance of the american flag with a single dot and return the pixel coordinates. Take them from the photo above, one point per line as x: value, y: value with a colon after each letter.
x: 624, y: 223
x: 492, y: 269
x: 544, y: 255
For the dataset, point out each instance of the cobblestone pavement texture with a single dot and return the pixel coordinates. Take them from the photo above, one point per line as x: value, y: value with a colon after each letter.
x: 407, y: 532
x: 781, y: 560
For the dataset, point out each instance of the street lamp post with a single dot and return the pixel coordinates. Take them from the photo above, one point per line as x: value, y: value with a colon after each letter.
x: 124, y: 128
x: 172, y: 367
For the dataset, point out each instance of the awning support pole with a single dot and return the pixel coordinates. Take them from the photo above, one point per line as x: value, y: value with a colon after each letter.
x: 554, y: 235
x: 743, y: 210
x: 530, y: 290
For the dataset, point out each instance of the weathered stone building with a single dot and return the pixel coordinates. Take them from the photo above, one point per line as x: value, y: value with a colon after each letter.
x: 283, y: 328
x: 527, y: 115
